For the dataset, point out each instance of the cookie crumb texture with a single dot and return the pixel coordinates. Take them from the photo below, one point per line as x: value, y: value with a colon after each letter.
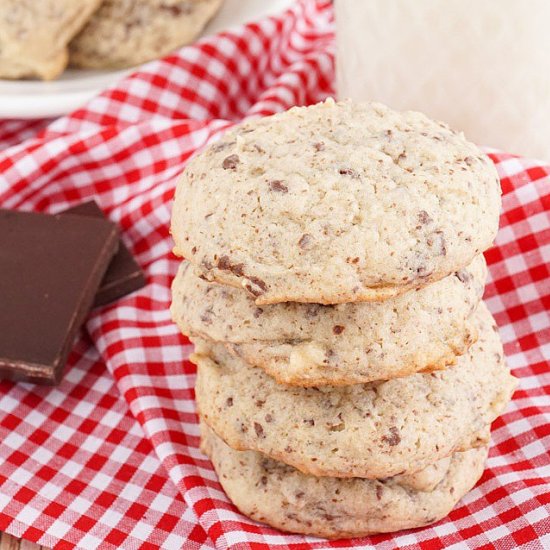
x: 281, y: 496
x: 313, y: 344
x: 124, y: 33
x: 373, y: 430
x: 336, y: 202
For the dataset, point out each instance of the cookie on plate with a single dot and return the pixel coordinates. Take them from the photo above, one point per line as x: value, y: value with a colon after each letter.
x: 124, y: 33
x: 368, y: 430
x: 285, y: 498
x: 336, y: 202
x: 311, y: 344
x: 34, y: 35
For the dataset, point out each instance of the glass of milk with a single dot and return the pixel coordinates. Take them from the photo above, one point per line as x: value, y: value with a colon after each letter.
x: 483, y: 66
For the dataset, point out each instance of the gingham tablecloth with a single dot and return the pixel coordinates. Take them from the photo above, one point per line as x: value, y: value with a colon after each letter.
x: 110, y: 458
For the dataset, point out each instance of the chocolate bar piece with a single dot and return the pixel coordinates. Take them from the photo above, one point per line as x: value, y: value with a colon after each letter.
x: 124, y: 274
x: 50, y: 271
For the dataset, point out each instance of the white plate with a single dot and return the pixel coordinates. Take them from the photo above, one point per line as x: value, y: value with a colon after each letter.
x: 35, y: 99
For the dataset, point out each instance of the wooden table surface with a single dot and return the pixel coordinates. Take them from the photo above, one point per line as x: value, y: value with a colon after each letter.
x: 7, y: 542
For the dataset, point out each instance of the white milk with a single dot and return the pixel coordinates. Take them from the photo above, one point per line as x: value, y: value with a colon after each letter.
x: 483, y: 66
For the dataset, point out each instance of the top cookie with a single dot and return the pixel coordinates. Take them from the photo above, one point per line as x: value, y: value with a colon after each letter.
x: 34, y: 35
x: 123, y: 33
x: 337, y: 202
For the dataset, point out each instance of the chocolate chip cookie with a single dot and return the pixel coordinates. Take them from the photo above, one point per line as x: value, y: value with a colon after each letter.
x: 369, y: 430
x: 313, y: 344
x: 336, y: 202
x: 124, y: 33
x: 34, y: 35
x: 285, y: 498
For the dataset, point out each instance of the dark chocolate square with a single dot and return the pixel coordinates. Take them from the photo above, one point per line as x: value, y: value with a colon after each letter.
x: 124, y: 275
x: 50, y: 271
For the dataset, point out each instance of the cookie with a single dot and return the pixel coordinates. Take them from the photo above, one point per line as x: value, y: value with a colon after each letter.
x: 368, y: 430
x: 336, y: 202
x: 281, y: 496
x: 24, y: 66
x: 124, y: 33
x: 34, y: 35
x: 310, y: 344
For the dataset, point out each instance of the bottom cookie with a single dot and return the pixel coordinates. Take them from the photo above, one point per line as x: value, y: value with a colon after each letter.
x: 281, y: 496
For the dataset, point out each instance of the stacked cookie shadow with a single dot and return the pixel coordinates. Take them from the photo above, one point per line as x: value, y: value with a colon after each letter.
x: 348, y: 372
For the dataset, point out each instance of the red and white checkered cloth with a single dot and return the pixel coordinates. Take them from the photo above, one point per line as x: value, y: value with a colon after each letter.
x: 110, y: 458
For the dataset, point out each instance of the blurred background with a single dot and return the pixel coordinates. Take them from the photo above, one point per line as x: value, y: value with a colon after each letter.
x: 482, y: 67
x: 41, y: 82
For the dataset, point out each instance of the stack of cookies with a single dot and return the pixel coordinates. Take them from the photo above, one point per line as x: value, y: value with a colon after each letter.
x: 348, y: 372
